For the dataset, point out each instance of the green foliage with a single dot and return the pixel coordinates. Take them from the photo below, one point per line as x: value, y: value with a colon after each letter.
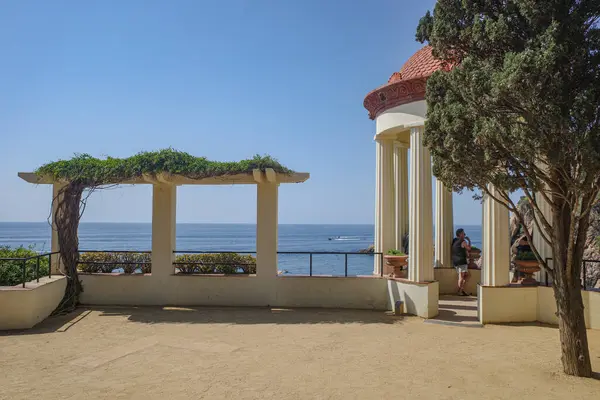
x: 11, y: 272
x: 394, y: 252
x: 525, y: 89
x: 219, y: 263
x: 526, y: 256
x: 92, y: 171
x: 475, y: 249
x: 106, y: 262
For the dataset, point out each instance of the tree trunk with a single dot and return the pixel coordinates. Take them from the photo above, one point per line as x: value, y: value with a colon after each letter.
x: 569, y: 239
x: 573, y: 336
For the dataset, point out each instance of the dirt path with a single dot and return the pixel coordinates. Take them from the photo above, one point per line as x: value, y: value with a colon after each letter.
x: 149, y: 353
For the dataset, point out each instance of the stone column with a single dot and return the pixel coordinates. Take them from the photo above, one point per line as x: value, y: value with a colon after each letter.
x: 443, y: 225
x: 401, y: 191
x: 266, y: 229
x: 496, y: 242
x: 420, y: 255
x: 54, y: 246
x: 539, y: 243
x: 384, y: 200
x: 164, y: 205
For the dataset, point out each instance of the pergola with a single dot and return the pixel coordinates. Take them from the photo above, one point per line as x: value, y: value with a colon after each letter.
x: 164, y: 200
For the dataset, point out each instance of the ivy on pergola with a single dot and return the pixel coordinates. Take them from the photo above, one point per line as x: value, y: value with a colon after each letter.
x: 84, y: 173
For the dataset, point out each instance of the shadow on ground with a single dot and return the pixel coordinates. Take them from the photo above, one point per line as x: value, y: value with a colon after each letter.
x: 213, y: 315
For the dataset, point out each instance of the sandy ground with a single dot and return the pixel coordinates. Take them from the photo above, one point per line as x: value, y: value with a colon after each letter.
x: 152, y: 353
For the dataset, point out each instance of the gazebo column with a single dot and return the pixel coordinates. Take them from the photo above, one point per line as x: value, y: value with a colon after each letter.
x: 266, y: 229
x: 539, y: 243
x: 54, y: 245
x: 443, y: 225
x: 401, y: 191
x: 420, y: 255
x: 164, y: 206
x: 384, y: 201
x: 496, y: 242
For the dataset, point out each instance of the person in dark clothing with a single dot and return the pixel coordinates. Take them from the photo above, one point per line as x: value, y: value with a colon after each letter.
x: 461, y: 244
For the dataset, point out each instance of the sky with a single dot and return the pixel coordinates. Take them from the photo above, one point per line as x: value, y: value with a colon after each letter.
x: 222, y: 79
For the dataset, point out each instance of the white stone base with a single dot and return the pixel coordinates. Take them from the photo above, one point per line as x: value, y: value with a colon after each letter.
x: 419, y: 299
x: 530, y: 304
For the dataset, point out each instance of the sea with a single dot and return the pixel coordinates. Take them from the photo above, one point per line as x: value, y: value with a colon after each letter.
x: 225, y: 237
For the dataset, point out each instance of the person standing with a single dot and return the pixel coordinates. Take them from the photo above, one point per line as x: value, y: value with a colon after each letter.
x: 461, y: 244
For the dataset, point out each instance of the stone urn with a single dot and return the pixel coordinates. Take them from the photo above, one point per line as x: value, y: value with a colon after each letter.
x: 394, y: 264
x: 473, y: 255
x: 528, y: 267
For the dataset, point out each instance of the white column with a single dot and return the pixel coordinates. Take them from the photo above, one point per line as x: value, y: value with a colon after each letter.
x: 54, y: 246
x: 401, y: 191
x: 420, y: 255
x: 443, y: 225
x: 164, y: 206
x: 539, y: 243
x: 496, y: 242
x: 384, y: 200
x: 266, y: 229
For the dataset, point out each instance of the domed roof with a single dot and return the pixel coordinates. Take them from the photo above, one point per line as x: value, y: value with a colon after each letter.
x: 406, y: 85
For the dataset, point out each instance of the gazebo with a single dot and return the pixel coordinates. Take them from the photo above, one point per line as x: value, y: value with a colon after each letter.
x: 404, y: 204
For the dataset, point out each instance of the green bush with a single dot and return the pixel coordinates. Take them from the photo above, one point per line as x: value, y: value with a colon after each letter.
x: 11, y: 272
x: 395, y: 253
x: 218, y: 263
x: 526, y: 256
x: 92, y: 262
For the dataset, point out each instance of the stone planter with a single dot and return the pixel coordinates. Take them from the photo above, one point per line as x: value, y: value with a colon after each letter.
x: 473, y: 255
x: 394, y: 265
x: 528, y: 267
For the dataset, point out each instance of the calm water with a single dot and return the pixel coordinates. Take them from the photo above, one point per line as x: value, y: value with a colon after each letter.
x: 224, y: 237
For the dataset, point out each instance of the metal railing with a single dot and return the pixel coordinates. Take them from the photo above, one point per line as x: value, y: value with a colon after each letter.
x: 583, y: 277
x: 344, y: 253
x: 23, y: 265
x: 240, y: 270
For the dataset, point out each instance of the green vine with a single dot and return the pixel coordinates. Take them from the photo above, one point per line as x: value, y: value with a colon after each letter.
x: 92, y: 172
x: 84, y: 173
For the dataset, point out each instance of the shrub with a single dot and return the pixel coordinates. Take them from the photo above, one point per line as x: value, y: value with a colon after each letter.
x: 106, y: 262
x: 395, y: 253
x: 217, y: 263
x: 526, y: 256
x: 11, y: 272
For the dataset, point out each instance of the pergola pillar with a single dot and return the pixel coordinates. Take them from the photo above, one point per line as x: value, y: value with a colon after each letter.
x: 164, y: 206
x: 444, y: 226
x: 543, y: 248
x: 266, y: 229
x: 384, y: 200
x: 401, y: 191
x: 54, y: 245
x: 420, y: 255
x: 496, y: 242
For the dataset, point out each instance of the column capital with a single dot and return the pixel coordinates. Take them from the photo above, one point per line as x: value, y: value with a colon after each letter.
x: 401, y: 145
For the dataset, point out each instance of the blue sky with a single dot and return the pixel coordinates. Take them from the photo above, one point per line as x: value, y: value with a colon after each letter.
x: 221, y: 79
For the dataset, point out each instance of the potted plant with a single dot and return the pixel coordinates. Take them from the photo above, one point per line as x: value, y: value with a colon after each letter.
x: 473, y: 255
x: 527, y: 263
x: 395, y: 260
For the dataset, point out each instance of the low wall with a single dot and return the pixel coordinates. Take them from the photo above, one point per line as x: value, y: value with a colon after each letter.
x: 507, y: 304
x: 448, y: 280
x: 546, y: 307
x: 22, y: 308
x: 530, y: 304
x: 206, y: 290
x: 420, y: 299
